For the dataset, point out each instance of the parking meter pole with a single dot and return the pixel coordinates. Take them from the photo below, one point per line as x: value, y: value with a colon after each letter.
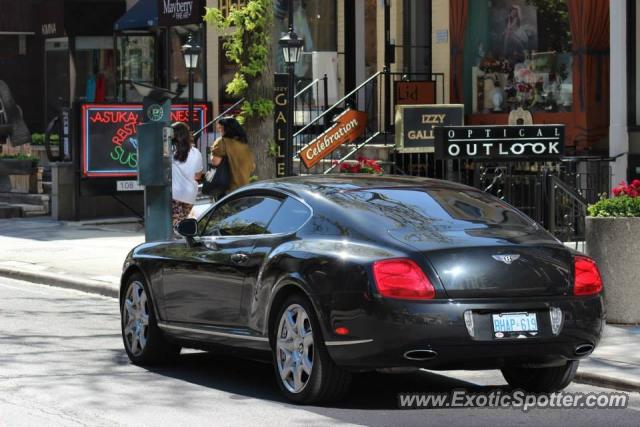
x: 154, y: 165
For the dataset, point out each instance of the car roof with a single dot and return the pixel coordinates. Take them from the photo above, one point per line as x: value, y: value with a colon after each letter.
x: 328, y: 184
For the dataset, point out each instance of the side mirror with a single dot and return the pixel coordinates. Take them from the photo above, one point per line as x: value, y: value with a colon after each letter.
x: 187, y: 228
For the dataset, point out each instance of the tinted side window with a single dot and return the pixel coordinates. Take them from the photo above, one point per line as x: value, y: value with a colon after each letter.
x: 242, y: 217
x: 291, y: 216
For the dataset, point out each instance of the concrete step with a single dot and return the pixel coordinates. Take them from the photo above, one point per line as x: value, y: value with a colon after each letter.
x: 10, y: 211
x: 24, y: 198
x: 28, y: 204
x: 33, y: 210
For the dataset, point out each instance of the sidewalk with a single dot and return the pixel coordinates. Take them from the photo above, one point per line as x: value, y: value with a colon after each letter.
x: 88, y: 256
x: 80, y: 255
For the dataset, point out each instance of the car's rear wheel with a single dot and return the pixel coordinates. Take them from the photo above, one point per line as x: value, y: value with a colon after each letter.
x: 304, y: 371
x: 144, y: 342
x: 541, y: 380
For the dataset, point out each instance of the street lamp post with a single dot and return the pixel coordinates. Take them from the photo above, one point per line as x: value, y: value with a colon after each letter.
x: 291, y: 49
x: 191, y: 53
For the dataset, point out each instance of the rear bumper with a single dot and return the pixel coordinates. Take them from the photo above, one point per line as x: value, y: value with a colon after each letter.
x: 396, y: 327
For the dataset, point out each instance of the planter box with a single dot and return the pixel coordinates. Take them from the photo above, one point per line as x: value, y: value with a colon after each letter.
x: 615, y: 245
x: 20, y: 176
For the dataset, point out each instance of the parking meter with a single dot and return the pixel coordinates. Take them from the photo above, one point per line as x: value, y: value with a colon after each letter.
x: 154, y: 160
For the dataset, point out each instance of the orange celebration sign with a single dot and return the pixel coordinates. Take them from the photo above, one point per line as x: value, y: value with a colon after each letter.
x: 348, y: 127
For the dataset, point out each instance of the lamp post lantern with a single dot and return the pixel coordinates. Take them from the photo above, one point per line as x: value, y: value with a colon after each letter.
x: 191, y: 53
x: 292, y: 47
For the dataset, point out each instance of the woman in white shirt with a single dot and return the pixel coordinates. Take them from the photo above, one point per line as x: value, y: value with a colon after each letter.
x: 186, y: 170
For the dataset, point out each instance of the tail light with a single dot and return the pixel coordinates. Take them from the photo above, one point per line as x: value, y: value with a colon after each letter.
x: 403, y: 279
x: 586, y: 277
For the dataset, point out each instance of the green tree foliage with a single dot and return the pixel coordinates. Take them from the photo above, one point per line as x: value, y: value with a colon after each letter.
x: 248, y: 46
x: 248, y: 41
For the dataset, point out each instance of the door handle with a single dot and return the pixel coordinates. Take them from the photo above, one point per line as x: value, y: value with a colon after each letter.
x: 240, y: 258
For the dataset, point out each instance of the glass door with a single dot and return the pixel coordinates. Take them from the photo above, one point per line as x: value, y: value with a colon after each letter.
x: 57, y: 76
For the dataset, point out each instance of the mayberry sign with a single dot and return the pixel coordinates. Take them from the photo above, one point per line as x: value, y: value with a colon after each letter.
x: 180, y: 12
x: 348, y: 127
x: 500, y: 142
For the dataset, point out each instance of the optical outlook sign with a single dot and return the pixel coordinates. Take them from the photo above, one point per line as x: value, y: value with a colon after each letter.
x: 535, y: 142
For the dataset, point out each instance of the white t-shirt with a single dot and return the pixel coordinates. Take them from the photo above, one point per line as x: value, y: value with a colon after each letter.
x: 184, y: 184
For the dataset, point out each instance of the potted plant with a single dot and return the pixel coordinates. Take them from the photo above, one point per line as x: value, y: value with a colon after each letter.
x: 613, y: 240
x: 17, y: 165
x: 361, y: 165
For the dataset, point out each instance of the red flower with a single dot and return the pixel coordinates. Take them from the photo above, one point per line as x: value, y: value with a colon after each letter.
x: 636, y: 183
x: 617, y: 191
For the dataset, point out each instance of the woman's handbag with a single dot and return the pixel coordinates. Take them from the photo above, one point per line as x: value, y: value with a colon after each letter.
x: 217, y: 180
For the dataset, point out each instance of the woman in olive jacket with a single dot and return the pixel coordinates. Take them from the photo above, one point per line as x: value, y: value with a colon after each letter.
x: 234, y: 146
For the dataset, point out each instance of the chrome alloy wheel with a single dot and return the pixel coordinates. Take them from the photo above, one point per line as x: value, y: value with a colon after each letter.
x: 136, y: 318
x: 294, y: 348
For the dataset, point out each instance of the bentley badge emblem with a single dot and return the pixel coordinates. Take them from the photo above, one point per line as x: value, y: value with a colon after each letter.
x: 507, y: 259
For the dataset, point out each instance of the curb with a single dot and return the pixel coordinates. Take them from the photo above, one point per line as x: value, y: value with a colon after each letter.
x: 60, y: 281
x: 607, y: 381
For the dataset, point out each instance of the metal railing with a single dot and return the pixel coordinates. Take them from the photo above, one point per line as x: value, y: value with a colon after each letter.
x: 311, y: 101
x: 218, y: 117
x: 374, y: 96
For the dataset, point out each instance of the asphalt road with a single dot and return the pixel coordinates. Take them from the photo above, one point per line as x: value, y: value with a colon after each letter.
x: 62, y: 363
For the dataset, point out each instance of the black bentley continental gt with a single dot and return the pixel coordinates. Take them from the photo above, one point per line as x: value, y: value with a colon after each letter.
x: 333, y: 275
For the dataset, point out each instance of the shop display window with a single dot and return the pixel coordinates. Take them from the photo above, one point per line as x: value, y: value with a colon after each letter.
x: 518, y: 54
x: 136, y: 62
x: 95, y: 69
x: 315, y: 21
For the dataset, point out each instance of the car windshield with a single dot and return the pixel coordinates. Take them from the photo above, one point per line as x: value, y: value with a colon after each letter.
x: 438, y: 207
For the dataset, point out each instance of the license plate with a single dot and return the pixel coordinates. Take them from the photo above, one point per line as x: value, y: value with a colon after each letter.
x: 129, y: 186
x: 515, y: 322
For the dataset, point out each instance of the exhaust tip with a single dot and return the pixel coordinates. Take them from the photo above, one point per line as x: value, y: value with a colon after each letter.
x: 583, y: 349
x: 420, y: 355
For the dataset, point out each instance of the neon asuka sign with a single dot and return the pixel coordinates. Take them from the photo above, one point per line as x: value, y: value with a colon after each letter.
x: 109, y: 140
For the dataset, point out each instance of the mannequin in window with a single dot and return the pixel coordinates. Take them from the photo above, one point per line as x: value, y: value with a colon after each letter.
x: 515, y: 36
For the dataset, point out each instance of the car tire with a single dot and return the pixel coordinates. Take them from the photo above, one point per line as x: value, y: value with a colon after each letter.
x: 541, y: 380
x: 299, y: 344
x: 143, y: 340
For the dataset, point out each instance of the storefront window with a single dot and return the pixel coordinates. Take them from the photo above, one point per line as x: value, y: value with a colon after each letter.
x: 517, y: 54
x: 315, y: 21
x: 136, y: 63
x: 179, y: 76
x: 95, y: 69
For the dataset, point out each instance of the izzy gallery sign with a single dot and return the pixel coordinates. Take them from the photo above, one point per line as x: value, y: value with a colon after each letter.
x: 180, y: 12
x: 347, y: 127
x: 537, y: 142
x: 415, y: 125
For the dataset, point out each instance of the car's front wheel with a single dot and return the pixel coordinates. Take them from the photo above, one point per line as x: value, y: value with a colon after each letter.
x: 541, y: 380
x: 143, y: 340
x: 304, y: 371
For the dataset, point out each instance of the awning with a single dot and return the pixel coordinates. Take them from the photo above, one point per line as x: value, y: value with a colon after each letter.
x: 143, y: 14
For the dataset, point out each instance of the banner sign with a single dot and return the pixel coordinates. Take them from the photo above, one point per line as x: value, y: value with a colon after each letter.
x: 109, y: 142
x: 280, y: 100
x: 173, y: 13
x: 414, y: 93
x: 500, y: 142
x: 348, y: 127
x: 415, y: 124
